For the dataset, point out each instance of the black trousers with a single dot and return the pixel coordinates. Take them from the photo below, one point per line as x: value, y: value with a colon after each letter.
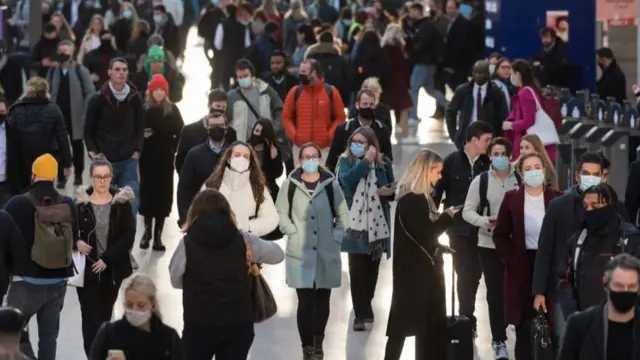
x: 225, y: 343
x: 466, y: 263
x: 313, y: 313
x: 5, y: 193
x: 429, y: 347
x: 363, y: 273
x: 523, y: 347
x: 77, y: 148
x: 493, y: 271
x: 96, y: 305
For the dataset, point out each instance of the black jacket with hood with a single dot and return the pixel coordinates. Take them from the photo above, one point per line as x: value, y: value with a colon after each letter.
x: 122, y: 231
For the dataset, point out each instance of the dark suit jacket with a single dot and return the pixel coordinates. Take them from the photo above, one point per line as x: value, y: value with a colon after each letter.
x: 509, y: 237
x: 455, y: 55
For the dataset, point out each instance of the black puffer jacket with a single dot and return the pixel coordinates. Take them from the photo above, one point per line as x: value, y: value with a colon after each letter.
x: 35, y: 126
x: 122, y: 232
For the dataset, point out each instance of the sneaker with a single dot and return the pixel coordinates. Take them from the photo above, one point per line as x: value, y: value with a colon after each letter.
x: 409, y: 140
x: 413, y: 122
x: 500, y: 351
x: 359, y: 325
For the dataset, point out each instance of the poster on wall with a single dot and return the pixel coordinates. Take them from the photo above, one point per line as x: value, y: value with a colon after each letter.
x: 558, y: 20
x: 617, y: 12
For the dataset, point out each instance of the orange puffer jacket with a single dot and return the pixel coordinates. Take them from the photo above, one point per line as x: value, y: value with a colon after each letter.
x: 310, y: 118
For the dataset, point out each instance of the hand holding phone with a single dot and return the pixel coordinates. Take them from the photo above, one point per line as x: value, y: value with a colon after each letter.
x: 453, y: 210
x: 116, y: 355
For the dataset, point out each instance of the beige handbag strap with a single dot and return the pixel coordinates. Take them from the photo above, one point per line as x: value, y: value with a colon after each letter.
x: 433, y: 262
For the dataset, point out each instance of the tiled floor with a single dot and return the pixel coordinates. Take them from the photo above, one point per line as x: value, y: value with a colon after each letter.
x: 277, y: 338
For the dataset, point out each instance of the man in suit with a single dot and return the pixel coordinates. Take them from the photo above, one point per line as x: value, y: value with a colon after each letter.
x: 455, y: 55
x: 477, y: 100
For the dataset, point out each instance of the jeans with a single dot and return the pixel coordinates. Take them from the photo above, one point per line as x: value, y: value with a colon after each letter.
x: 429, y: 347
x: 125, y: 173
x: 424, y: 76
x: 96, y: 306
x: 225, y: 343
x: 363, y: 273
x: 46, y: 302
x: 313, y: 313
x: 466, y: 263
x: 493, y: 271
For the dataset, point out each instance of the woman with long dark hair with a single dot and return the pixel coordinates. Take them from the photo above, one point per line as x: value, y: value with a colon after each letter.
x: 239, y: 178
x: 210, y: 265
x: 263, y: 141
x: 524, y: 107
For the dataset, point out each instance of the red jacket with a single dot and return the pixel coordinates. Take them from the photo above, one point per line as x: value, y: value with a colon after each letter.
x: 310, y: 118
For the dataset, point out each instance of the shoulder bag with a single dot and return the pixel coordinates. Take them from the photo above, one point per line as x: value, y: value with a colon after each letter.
x: 264, y: 304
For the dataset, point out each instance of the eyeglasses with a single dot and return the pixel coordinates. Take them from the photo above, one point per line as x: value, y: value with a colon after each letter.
x: 101, y: 178
x: 310, y: 157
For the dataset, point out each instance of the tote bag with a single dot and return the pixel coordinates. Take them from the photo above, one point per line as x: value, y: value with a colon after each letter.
x: 79, y: 263
x: 264, y: 303
x: 544, y: 126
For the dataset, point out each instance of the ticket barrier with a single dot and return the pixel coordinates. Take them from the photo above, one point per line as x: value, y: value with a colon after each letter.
x: 616, y: 146
x: 607, y: 114
x: 573, y: 112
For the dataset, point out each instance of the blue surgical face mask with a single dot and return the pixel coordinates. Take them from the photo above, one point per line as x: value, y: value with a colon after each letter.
x: 310, y: 166
x: 357, y: 149
x: 245, y: 82
x: 215, y: 2
x: 513, y: 80
x: 158, y: 18
x: 534, y: 178
x: 587, y: 181
x: 127, y: 14
x: 500, y: 163
x: 466, y: 10
x: 492, y: 69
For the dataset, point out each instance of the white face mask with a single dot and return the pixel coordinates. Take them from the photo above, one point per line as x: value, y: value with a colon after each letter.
x: 137, y: 318
x: 239, y: 164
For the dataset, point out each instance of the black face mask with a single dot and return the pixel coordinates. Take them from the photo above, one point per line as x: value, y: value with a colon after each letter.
x: 623, y: 301
x: 596, y: 219
x: 63, y: 57
x: 256, y: 140
x: 105, y: 43
x: 304, y: 79
x: 216, y: 112
x: 216, y: 133
x: 367, y: 113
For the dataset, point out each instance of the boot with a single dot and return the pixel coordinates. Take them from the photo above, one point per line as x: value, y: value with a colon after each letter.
x: 146, y: 237
x: 318, y: 353
x: 78, y: 179
x: 308, y: 353
x: 157, y: 235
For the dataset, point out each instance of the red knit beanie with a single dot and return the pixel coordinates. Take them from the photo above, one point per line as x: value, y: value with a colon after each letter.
x: 158, y: 82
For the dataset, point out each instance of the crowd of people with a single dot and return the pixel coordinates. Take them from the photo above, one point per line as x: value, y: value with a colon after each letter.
x: 310, y: 93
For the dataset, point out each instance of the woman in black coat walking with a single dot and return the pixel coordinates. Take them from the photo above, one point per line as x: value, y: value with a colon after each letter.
x: 107, y: 231
x: 263, y: 142
x: 418, y: 302
x: 164, y: 124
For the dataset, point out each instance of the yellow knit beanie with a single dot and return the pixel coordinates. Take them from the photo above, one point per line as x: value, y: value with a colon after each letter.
x: 45, y: 167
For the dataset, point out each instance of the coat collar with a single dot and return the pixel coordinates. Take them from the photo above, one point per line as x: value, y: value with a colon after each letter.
x: 120, y: 196
x: 599, y: 329
x: 519, y: 204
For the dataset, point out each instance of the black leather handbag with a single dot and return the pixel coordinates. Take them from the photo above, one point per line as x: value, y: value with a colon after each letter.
x: 264, y: 304
x: 542, y: 337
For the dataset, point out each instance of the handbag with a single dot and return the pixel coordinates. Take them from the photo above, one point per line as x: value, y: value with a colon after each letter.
x: 544, y: 126
x: 264, y: 304
x: 543, y: 348
x: 79, y: 264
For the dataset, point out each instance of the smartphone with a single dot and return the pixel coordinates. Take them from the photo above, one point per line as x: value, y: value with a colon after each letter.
x: 458, y: 208
x: 116, y: 354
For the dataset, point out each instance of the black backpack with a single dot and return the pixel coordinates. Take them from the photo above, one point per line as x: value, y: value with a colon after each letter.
x: 484, y: 186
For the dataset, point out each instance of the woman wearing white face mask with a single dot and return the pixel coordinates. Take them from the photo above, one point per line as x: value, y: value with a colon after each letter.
x: 239, y: 178
x: 516, y: 235
x: 140, y: 334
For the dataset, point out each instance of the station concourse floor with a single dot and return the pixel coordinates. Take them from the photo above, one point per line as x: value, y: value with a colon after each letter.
x: 277, y: 338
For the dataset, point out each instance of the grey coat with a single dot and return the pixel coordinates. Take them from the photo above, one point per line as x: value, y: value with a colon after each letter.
x: 312, y: 255
x: 79, y: 106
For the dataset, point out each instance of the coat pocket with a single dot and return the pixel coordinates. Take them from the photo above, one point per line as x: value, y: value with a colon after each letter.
x: 294, y: 247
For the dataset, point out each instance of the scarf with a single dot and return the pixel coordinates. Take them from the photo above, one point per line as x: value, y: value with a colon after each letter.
x: 366, y: 218
x: 120, y: 95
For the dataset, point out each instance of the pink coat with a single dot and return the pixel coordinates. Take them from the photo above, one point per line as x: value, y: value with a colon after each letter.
x: 523, y: 116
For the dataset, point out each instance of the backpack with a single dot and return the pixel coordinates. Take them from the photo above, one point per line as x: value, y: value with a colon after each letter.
x: 329, y: 90
x: 52, y: 232
x: 329, y: 191
x: 484, y: 187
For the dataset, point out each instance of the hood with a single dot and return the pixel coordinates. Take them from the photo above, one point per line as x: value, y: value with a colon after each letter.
x: 324, y: 48
x: 27, y: 100
x: 106, y: 91
x: 120, y: 196
x: 213, y: 230
x: 326, y: 178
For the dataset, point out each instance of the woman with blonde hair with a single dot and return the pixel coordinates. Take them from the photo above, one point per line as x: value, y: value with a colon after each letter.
x: 398, y: 98
x: 62, y: 25
x: 418, y: 300
x: 293, y: 18
x: 91, y: 39
x: 122, y: 28
x: 140, y: 334
x: 35, y: 126
x: 164, y: 125
x: 239, y: 178
x: 366, y: 178
x: 531, y: 143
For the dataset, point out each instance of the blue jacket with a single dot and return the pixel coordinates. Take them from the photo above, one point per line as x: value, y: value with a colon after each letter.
x: 349, y: 176
x: 312, y: 255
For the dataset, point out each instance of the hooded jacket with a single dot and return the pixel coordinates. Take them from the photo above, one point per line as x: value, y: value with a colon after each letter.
x: 213, y: 272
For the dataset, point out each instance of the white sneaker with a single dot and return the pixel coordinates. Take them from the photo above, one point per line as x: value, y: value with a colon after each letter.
x: 409, y: 140
x: 500, y: 351
x: 413, y: 122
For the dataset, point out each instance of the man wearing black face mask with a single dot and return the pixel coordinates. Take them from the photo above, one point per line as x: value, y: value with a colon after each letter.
x: 365, y: 105
x: 71, y: 85
x: 200, y: 162
x: 195, y: 133
x: 609, y: 331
